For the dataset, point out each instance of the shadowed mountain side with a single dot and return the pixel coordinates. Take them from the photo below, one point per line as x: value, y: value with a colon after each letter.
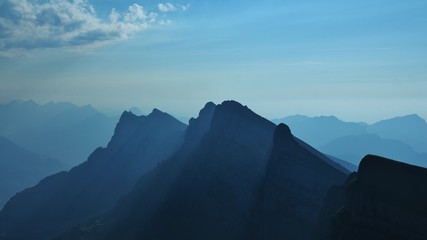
x: 210, y: 194
x: 218, y: 188
x: 384, y: 200
x: 323, y: 157
x: 60, y: 130
x: 353, y: 148
x: 296, y: 182
x: 69, y: 198
x: 206, y: 191
x: 20, y: 169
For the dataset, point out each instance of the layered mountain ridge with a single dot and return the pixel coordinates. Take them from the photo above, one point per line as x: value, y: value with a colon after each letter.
x: 68, y: 198
x: 21, y: 168
x: 59, y: 130
x: 403, y: 138
x: 230, y: 174
x: 217, y: 189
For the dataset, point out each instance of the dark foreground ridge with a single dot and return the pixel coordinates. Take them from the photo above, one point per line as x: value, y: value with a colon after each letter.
x: 386, y: 199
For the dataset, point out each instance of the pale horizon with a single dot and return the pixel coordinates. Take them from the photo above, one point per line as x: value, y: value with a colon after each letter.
x: 360, y: 61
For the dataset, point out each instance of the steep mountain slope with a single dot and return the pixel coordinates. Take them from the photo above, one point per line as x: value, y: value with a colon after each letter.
x: 60, y: 130
x: 221, y: 184
x: 354, y: 148
x: 296, y: 182
x: 384, y: 200
x: 212, y: 191
x: 20, y: 168
x: 69, y: 198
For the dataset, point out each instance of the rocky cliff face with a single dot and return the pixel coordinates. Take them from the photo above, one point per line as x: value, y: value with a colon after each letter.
x: 384, y: 200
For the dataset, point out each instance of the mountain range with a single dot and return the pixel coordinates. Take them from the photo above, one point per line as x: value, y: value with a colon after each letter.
x: 67, y: 198
x: 20, y: 169
x: 60, y: 130
x: 213, y: 181
x: 403, y: 138
x: 229, y: 174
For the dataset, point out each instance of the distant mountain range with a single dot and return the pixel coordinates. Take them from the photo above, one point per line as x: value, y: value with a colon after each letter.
x: 68, y: 198
x: 230, y: 174
x: 403, y: 138
x: 20, y: 169
x: 60, y: 130
x: 217, y: 180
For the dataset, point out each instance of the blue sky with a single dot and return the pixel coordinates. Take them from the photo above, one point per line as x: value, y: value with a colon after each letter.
x: 360, y: 60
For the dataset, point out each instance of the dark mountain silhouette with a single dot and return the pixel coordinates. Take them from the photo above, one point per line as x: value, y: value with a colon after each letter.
x: 231, y: 173
x: 63, y: 200
x: 295, y: 185
x: 384, y: 200
x: 59, y: 130
x: 353, y: 148
x: 20, y: 169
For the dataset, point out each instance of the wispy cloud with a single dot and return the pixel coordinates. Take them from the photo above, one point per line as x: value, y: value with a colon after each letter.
x: 166, y: 7
x: 27, y: 25
x: 169, y: 7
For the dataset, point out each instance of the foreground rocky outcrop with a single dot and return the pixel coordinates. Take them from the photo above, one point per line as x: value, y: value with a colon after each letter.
x: 386, y: 199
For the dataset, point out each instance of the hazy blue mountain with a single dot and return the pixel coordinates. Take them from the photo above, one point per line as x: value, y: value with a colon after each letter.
x: 59, y: 130
x: 354, y: 148
x: 411, y: 129
x: 63, y: 200
x: 318, y: 131
x: 20, y: 169
x: 385, y: 199
x: 232, y: 171
x: 403, y: 138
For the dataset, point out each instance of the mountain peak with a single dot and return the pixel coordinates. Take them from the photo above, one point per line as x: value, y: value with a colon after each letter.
x: 234, y: 105
x: 126, y: 116
x: 199, y: 126
x: 283, y: 135
x: 156, y: 113
x: 407, y: 119
x: 415, y: 117
x: 283, y: 129
x: 207, y: 110
x: 230, y: 116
